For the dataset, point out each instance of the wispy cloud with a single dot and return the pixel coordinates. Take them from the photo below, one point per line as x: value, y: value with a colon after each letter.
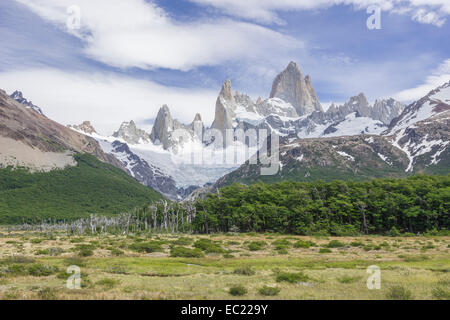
x: 105, y: 99
x: 136, y: 33
x: 438, y: 77
x: 266, y: 11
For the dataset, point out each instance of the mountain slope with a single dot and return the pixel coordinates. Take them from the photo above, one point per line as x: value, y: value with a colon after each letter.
x: 34, y: 134
x: 89, y: 187
x: 417, y: 141
x: 422, y: 132
x: 346, y: 158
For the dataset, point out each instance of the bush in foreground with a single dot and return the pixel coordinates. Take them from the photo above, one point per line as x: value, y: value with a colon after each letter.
x: 269, y: 291
x: 399, y: 293
x: 182, y: 252
x: 238, y: 290
x: 292, y: 277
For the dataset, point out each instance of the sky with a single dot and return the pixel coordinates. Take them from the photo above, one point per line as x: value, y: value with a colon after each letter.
x: 110, y: 61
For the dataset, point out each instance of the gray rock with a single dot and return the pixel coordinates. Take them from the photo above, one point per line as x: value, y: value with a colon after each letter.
x: 225, y: 107
x: 291, y: 87
x: 131, y: 134
x: 18, y: 96
x: 387, y: 110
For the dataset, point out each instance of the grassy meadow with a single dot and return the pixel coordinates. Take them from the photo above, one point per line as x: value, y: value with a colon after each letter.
x: 33, y: 265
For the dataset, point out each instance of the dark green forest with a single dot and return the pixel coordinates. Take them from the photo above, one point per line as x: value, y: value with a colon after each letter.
x: 91, y: 187
x: 415, y: 205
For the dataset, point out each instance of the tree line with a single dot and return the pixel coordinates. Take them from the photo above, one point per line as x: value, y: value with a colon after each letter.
x: 416, y: 204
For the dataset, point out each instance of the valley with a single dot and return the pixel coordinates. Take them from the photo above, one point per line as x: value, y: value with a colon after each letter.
x: 33, y: 266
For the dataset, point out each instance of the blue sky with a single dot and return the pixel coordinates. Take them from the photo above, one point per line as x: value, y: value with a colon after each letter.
x: 129, y: 57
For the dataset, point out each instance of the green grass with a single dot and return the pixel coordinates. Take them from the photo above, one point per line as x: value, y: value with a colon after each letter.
x: 91, y: 187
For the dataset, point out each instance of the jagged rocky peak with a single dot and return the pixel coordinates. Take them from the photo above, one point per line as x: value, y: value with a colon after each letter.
x: 387, y: 110
x: 130, y: 133
x: 18, y: 96
x: 197, y: 127
x: 198, y: 117
x: 360, y: 105
x: 434, y: 103
x: 291, y: 87
x: 163, y: 128
x: 225, y: 108
x: 85, y: 127
x: 276, y: 106
x: 227, y: 91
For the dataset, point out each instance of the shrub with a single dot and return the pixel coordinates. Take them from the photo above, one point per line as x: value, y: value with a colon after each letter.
x: 40, y: 270
x: 183, y: 241
x: 85, y: 252
x: 304, y: 244
x: 238, y: 290
x: 245, y: 270
x: 116, y: 252
x: 108, y: 283
x: 17, y: 259
x: 324, y: 250
x: 50, y: 252
x: 47, y: 294
x: 440, y: 293
x: 335, y: 244
x: 399, y: 293
x: 183, y: 252
x: 75, y: 261
x: 208, y: 246
x: 42, y: 252
x: 356, y: 244
x: 146, y: 247
x: 282, y: 242
x: 348, y: 279
x: 256, y: 245
x: 394, y: 232
x: 292, y: 277
x: 269, y: 291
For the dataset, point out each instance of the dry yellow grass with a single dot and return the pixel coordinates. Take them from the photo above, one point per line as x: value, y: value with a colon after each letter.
x: 419, y: 264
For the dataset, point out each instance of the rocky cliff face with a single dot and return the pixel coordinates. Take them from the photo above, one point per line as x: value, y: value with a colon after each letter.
x: 18, y: 96
x: 417, y: 141
x: 422, y: 132
x: 85, y: 127
x: 148, y: 174
x: 27, y: 130
x: 225, y: 109
x: 172, y: 134
x: 387, y: 110
x: 348, y: 158
x: 291, y: 87
x: 130, y: 133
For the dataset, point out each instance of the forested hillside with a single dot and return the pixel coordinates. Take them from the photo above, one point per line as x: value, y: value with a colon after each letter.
x: 91, y: 187
x: 416, y: 204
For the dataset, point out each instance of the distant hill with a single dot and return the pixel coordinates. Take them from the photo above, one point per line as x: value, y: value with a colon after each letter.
x: 90, y: 187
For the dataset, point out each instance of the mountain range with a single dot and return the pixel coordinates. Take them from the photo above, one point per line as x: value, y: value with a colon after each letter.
x: 356, y: 140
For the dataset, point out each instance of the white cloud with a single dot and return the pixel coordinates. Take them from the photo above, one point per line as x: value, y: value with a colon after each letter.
x: 438, y: 77
x: 265, y: 11
x: 105, y: 99
x: 136, y: 33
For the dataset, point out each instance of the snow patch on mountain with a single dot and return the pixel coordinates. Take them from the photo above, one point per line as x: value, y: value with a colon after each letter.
x: 346, y: 155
